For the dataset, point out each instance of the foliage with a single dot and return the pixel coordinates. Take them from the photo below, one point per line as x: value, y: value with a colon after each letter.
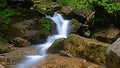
x: 3, y: 3
x: 5, y: 15
x: 109, y: 6
x: 45, y: 25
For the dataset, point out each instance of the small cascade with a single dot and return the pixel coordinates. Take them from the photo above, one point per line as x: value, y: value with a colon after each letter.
x: 62, y: 32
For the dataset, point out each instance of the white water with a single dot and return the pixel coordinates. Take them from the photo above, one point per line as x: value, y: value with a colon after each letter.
x: 62, y: 32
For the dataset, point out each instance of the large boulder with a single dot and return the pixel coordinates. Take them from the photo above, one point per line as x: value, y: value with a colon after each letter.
x: 113, y: 55
x: 32, y: 28
x: 108, y: 34
x: 65, y: 62
x: 89, y: 49
x: 60, y: 62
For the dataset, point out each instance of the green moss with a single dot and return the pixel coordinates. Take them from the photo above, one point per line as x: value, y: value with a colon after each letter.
x: 56, y: 46
x: 45, y: 26
x: 89, y: 49
x: 75, y: 22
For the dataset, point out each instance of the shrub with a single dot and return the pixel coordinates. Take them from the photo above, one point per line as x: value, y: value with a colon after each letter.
x: 109, y: 6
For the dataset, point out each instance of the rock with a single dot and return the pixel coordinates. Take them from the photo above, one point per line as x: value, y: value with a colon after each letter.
x: 75, y: 25
x: 20, y: 42
x: 19, y: 53
x: 107, y: 34
x: 89, y: 49
x: 56, y: 46
x: 1, y: 66
x: 45, y: 7
x: 5, y: 48
x: 113, y: 55
x: 76, y: 16
x: 56, y: 61
x: 65, y: 53
x: 55, y: 8
x: 35, y: 30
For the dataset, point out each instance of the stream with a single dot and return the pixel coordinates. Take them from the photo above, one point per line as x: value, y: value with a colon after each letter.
x: 62, y: 29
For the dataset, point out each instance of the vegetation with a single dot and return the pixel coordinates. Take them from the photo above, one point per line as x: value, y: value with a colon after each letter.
x: 45, y: 26
x: 109, y: 6
x: 3, y: 3
x: 5, y: 15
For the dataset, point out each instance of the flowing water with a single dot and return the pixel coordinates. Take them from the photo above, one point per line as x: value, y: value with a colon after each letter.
x: 62, y: 28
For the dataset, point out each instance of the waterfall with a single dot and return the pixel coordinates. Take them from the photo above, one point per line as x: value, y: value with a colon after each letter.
x: 62, y: 32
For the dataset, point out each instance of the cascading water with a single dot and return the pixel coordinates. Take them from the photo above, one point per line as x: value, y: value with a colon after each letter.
x: 62, y: 32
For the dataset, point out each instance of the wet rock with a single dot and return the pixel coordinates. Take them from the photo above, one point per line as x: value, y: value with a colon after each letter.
x: 89, y: 49
x: 19, y: 53
x: 56, y: 46
x: 20, y: 42
x: 113, y: 55
x: 108, y: 34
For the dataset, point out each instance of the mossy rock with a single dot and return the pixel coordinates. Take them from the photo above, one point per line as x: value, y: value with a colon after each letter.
x: 44, y: 7
x: 45, y: 25
x: 56, y: 46
x: 89, y: 49
x: 75, y: 25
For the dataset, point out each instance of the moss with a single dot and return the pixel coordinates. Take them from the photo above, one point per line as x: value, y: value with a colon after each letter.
x: 57, y: 46
x: 75, y: 22
x: 75, y: 25
x: 44, y: 25
x: 89, y: 49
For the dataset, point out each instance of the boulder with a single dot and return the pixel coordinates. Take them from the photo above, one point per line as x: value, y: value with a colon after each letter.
x: 35, y: 30
x: 107, y: 34
x: 65, y: 62
x: 57, y: 61
x: 19, y: 54
x: 56, y: 46
x: 86, y: 48
x: 113, y: 55
x: 20, y: 42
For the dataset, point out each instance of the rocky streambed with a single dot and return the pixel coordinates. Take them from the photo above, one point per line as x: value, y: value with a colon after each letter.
x: 93, y: 41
